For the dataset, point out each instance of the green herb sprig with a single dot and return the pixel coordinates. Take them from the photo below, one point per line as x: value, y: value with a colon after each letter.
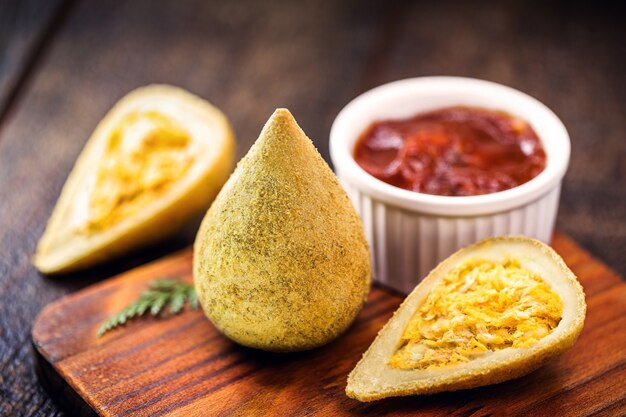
x: 160, y: 292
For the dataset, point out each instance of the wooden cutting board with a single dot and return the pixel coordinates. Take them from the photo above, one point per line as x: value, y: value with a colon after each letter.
x: 181, y: 365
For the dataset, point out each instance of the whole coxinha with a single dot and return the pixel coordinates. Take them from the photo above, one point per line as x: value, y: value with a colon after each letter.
x: 281, y: 262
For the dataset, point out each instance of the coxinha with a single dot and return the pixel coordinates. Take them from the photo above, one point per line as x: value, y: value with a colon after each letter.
x: 281, y: 262
x: 155, y: 161
x: 493, y: 311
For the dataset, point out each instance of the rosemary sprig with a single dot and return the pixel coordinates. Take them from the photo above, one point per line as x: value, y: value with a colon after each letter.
x: 160, y: 292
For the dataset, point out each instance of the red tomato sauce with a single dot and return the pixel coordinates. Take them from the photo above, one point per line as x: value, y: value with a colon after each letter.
x: 456, y: 151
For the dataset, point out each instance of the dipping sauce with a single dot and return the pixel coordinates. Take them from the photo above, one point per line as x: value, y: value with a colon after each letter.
x: 455, y: 151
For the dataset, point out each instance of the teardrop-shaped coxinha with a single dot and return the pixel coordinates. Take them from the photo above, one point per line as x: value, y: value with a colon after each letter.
x: 280, y: 261
x: 493, y: 311
x: 156, y: 161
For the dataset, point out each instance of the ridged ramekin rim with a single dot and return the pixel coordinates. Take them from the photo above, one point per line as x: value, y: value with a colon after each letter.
x: 348, y: 169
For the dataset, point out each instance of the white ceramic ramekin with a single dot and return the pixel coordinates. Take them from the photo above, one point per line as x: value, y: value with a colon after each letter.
x: 410, y: 233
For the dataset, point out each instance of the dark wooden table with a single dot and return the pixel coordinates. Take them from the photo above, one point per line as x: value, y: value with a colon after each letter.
x: 63, y: 63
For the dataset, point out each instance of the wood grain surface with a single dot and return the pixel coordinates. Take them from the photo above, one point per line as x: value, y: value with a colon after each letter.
x: 182, y: 366
x: 69, y: 61
x: 26, y: 27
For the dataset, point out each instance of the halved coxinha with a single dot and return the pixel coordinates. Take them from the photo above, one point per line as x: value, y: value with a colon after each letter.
x: 155, y: 161
x: 493, y: 311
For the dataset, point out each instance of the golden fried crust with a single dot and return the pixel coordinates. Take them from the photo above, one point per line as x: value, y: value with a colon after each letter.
x: 281, y: 262
x: 372, y: 379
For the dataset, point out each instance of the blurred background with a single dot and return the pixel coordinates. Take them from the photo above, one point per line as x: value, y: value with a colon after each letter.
x: 64, y: 63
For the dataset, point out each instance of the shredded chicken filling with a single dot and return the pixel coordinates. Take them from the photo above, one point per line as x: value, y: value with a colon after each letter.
x: 480, y: 307
x: 145, y: 156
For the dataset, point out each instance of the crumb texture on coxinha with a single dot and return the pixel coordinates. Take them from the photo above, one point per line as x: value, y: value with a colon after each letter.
x: 155, y: 161
x: 280, y: 261
x: 458, y: 351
